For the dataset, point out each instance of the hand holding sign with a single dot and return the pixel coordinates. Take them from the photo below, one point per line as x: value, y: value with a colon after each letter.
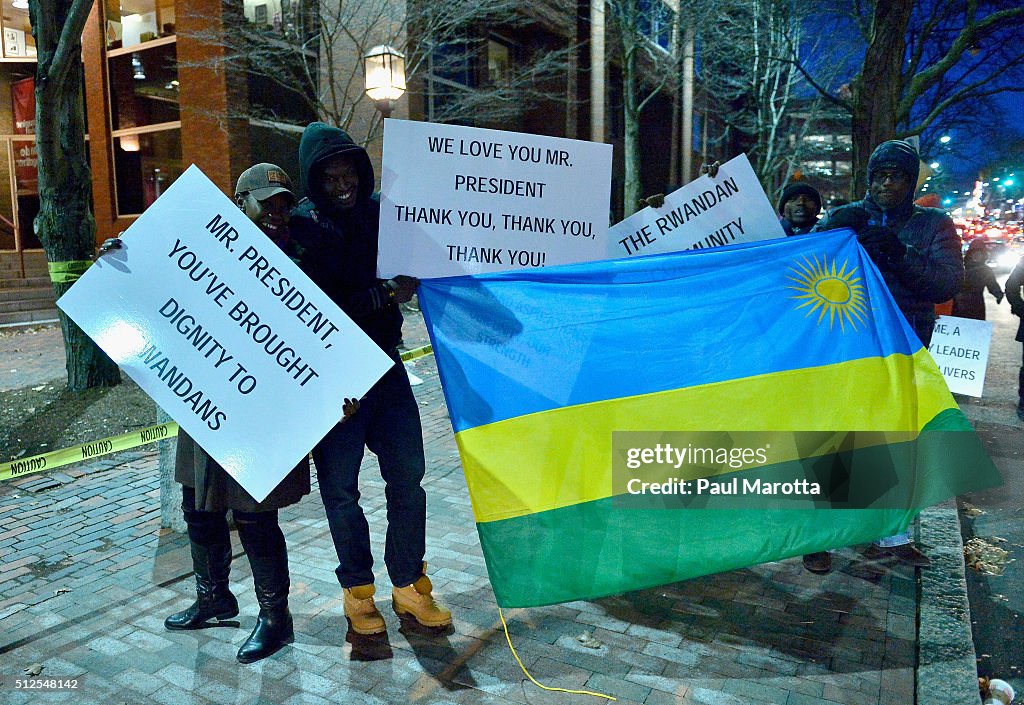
x: 725, y: 206
x: 224, y: 332
x: 457, y: 200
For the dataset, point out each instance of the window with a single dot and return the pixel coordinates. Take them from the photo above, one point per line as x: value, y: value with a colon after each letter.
x: 499, y: 61
x: 818, y: 168
x: 18, y: 39
x: 144, y: 87
x: 458, y: 69
x: 144, y: 106
x: 454, y: 62
x: 134, y: 22
x: 145, y: 164
x: 260, y: 16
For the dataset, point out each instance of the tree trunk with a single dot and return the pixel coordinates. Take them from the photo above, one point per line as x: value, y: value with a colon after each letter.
x: 65, y: 225
x: 632, y: 186
x: 877, y: 91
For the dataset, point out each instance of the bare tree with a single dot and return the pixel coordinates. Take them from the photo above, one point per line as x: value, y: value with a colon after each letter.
x: 643, y: 31
x: 314, y: 58
x: 65, y: 225
x: 750, y: 53
x: 924, y: 63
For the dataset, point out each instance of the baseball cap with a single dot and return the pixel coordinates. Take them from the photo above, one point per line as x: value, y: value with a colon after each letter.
x: 263, y: 181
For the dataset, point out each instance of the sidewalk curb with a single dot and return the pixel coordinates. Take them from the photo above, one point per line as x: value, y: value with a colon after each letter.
x: 947, y: 669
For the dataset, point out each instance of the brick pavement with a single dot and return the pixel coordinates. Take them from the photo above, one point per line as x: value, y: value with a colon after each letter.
x: 88, y: 577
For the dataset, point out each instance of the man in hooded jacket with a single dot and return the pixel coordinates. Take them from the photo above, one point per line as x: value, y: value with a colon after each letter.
x: 337, y: 226
x: 917, y: 251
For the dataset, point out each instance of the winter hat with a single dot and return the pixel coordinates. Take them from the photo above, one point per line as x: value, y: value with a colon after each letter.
x: 795, y: 189
x: 895, y: 154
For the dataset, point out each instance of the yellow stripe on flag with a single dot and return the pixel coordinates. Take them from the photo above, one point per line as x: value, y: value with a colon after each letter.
x: 562, y: 457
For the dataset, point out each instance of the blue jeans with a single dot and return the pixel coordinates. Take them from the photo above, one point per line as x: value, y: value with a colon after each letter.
x: 388, y: 423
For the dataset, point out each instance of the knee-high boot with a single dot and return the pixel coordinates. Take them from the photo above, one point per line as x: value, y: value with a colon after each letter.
x: 269, y: 562
x: 214, y: 600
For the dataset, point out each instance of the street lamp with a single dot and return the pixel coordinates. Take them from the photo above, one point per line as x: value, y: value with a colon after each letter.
x: 384, y: 68
x: 945, y: 139
x: 934, y: 165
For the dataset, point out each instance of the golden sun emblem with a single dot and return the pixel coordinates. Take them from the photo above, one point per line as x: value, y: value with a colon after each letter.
x: 827, y: 290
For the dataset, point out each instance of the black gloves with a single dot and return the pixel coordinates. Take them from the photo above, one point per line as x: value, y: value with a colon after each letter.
x: 401, y: 288
x: 109, y: 245
x: 1017, y: 309
x: 882, y: 246
x: 847, y: 217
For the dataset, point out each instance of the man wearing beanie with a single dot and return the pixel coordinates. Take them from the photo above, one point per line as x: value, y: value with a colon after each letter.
x: 799, y: 207
x: 917, y: 251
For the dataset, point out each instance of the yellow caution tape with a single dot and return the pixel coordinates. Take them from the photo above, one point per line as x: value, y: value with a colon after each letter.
x: 69, y: 271
x: 416, y: 352
x: 105, y: 446
x: 87, y: 451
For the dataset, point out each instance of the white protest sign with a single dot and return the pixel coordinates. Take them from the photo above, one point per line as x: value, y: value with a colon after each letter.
x: 705, y: 213
x: 225, y: 333
x: 960, y: 348
x: 464, y: 200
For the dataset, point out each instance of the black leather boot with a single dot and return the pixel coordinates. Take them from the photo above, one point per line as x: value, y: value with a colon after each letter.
x: 214, y: 600
x: 274, y: 624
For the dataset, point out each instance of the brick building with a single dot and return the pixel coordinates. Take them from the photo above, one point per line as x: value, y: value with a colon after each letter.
x: 164, y: 90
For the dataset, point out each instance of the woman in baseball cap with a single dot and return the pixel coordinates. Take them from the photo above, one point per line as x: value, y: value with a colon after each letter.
x: 264, y: 193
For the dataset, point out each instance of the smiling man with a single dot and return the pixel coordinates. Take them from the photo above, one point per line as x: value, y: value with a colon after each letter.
x: 799, y: 207
x: 337, y: 224
x: 917, y: 251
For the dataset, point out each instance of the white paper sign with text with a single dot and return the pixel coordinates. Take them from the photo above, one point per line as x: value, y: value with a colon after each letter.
x: 225, y: 333
x: 705, y: 213
x: 465, y: 200
x: 960, y: 348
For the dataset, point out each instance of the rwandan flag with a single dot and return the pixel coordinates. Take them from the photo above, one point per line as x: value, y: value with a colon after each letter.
x: 543, y: 369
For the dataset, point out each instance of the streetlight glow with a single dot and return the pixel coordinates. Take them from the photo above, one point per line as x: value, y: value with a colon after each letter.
x: 934, y: 165
x: 384, y: 68
x: 945, y: 139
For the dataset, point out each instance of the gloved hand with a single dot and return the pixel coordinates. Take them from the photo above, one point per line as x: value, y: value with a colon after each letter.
x: 655, y: 200
x: 882, y: 246
x: 999, y: 298
x: 349, y: 409
x: 402, y: 288
x: 847, y: 217
x: 109, y: 245
x: 710, y: 169
x: 1017, y: 309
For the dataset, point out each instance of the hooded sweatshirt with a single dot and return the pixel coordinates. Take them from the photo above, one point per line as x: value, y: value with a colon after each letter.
x: 340, y: 245
x: 932, y: 268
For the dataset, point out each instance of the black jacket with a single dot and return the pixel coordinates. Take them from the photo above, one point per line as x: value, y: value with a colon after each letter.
x: 340, y: 246
x: 969, y: 301
x: 1013, y: 295
x: 931, y: 270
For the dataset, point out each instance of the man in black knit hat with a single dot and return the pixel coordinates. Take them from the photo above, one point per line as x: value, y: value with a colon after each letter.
x: 799, y: 207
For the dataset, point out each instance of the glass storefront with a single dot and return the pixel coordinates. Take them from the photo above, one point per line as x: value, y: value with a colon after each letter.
x: 18, y: 40
x: 145, y: 164
x: 144, y: 87
x: 134, y: 22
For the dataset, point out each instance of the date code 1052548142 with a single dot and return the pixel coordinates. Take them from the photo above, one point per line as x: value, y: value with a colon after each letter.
x: 46, y: 684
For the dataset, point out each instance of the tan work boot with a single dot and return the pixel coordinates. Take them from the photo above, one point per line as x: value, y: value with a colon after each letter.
x: 362, y: 614
x: 416, y: 601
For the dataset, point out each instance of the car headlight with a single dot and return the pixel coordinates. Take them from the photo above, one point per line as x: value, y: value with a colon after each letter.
x: 1007, y: 260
